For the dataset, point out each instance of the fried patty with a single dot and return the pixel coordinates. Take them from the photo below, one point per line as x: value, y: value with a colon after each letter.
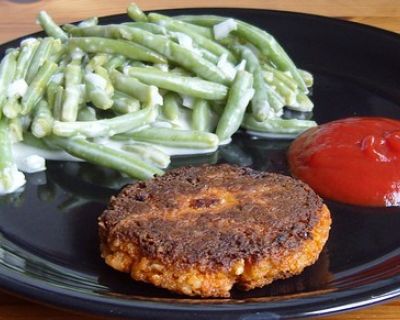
x: 200, y: 230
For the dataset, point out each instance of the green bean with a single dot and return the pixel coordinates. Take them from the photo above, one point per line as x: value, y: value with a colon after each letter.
x: 283, y: 90
x: 10, y: 177
x: 16, y: 130
x: 135, y: 13
x: 160, y: 66
x: 203, y: 31
x: 136, y: 89
x: 277, y: 125
x: 124, y: 104
x: 51, y: 93
x: 41, y: 55
x: 202, y: 117
x: 209, y: 56
x: 73, y: 92
x: 202, y: 42
x: 12, y: 108
x: 49, y: 26
x: 58, y: 51
x: 99, y: 59
x: 307, y: 77
x: 302, y: 103
x: 239, y: 96
x: 171, y: 106
x: 97, y: 95
x: 181, y: 72
x: 281, y: 76
x: 260, y: 38
x: 7, y: 71
x: 184, y: 85
x: 42, y: 123
x: 6, y: 158
x: 139, y: 64
x: 31, y: 140
x: 37, y: 87
x: 96, y: 91
x: 150, y: 27
x: 26, y: 54
x: 58, y: 102
x: 95, y: 31
x: 173, y: 138
x: 102, y: 72
x: 87, y: 114
x: 149, y: 153
x: 126, y: 48
x: 264, y: 96
x: 115, y: 62
x: 106, y: 127
x: 107, y: 157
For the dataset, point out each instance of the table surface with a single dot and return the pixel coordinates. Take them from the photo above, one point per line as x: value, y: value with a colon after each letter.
x: 17, y: 18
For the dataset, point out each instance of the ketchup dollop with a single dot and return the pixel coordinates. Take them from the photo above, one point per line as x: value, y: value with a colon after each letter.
x: 354, y: 160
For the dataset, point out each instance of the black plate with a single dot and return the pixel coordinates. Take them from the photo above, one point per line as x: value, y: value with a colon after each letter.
x: 48, y: 237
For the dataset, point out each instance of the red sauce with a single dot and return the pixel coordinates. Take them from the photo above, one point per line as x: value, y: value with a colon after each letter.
x: 354, y: 160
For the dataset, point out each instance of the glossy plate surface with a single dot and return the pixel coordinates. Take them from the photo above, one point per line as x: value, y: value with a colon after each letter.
x: 48, y: 234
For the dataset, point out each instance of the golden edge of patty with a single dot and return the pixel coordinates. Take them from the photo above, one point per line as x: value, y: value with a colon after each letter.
x: 196, y: 282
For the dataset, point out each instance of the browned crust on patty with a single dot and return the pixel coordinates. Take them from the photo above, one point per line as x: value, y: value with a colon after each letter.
x: 198, y: 230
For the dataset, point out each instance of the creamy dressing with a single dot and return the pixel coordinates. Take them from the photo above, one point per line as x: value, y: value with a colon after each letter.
x: 155, y: 97
x: 162, y: 66
x: 17, y: 179
x: 98, y: 81
x: 183, y: 122
x: 183, y: 39
x: 21, y: 151
x: 28, y: 41
x: 224, y: 142
x: 32, y: 164
x: 224, y: 28
x: 17, y: 89
x: 184, y: 119
x: 77, y: 54
x: 227, y: 68
x: 32, y: 159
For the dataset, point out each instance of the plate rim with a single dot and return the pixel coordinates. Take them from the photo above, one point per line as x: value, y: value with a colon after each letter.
x: 43, y: 292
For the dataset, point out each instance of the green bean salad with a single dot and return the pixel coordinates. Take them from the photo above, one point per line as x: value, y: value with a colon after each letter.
x: 128, y: 96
